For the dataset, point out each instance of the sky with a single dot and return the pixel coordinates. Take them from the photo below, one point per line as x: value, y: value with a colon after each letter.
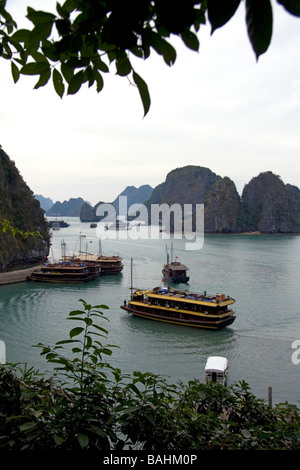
x: 218, y: 108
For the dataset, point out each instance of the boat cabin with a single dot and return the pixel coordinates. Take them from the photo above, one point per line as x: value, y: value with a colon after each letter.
x: 2, y: 352
x: 216, y: 369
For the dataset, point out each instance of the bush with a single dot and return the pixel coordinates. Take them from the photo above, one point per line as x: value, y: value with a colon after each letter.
x: 89, y: 405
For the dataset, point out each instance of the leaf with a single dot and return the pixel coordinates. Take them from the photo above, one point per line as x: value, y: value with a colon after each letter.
x: 123, y: 66
x: 76, y: 331
x: 39, y: 17
x: 28, y: 426
x: 41, y: 31
x: 75, y: 83
x: 100, y: 65
x: 76, y: 312
x: 35, y: 68
x: 143, y: 90
x: 58, y: 439
x: 162, y: 47
x: 292, y: 6
x: 190, y: 39
x: 220, y: 12
x: 15, y: 72
x: 99, y: 80
x: 21, y: 35
x: 83, y: 440
x: 44, y: 78
x: 259, y: 19
x: 58, y: 83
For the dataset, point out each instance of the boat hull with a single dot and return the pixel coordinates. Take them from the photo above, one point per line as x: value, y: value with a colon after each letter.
x: 211, y: 322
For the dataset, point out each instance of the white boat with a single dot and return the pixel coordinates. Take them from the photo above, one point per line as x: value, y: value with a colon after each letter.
x: 2, y: 352
x: 216, y: 369
x: 118, y: 225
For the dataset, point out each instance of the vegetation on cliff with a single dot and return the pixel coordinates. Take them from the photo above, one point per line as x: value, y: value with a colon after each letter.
x: 24, y: 234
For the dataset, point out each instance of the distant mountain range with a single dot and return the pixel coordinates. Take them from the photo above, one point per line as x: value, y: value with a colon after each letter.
x: 267, y: 204
x: 134, y: 196
x: 78, y: 207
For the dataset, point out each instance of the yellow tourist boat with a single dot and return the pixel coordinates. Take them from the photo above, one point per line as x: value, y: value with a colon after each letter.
x: 182, y: 307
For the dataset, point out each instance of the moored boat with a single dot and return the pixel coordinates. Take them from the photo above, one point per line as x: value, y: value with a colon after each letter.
x: 66, y: 272
x: 108, y: 264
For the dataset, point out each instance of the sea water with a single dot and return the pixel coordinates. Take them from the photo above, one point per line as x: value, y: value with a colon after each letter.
x: 261, y: 272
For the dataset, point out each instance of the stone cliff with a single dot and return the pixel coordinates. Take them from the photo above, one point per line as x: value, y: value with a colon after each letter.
x: 20, y: 212
x: 270, y: 205
x: 267, y: 204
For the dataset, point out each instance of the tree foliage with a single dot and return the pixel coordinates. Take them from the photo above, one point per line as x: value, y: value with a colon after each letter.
x: 87, y: 404
x: 86, y: 38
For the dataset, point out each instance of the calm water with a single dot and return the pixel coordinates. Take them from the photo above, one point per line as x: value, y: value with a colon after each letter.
x: 261, y: 272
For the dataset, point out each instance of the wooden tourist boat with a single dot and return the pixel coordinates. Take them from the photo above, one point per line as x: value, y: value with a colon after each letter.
x: 66, y: 272
x: 108, y: 264
x: 175, y: 272
x: 182, y: 307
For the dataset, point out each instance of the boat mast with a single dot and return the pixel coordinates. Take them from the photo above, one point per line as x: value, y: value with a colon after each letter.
x: 131, y: 286
x: 63, y: 250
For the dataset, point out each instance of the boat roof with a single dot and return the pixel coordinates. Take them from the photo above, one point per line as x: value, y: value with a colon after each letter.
x: 186, y: 296
x: 216, y: 364
x: 176, y: 266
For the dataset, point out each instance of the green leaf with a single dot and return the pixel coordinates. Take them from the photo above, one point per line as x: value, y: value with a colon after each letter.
x: 75, y: 83
x: 292, y: 6
x: 41, y: 31
x: 76, y: 331
x: 21, y: 35
x: 259, y: 19
x: 58, y: 439
x: 123, y: 66
x: 101, y: 306
x: 100, y: 65
x: 28, y: 426
x: 44, y: 78
x: 143, y: 90
x: 83, y: 440
x: 190, y: 39
x: 99, y: 80
x: 58, y: 83
x: 15, y: 72
x: 162, y: 47
x: 35, y: 68
x: 76, y: 312
x: 38, y: 17
x: 220, y: 12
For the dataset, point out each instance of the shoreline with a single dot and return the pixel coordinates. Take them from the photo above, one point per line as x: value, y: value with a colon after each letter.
x: 20, y: 275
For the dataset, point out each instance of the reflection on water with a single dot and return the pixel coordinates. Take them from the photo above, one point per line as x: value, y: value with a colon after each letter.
x: 261, y: 273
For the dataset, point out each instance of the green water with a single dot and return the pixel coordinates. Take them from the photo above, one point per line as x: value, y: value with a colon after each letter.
x: 261, y: 272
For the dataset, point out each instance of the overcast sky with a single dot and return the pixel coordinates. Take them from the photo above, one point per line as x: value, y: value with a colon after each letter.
x: 218, y: 108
